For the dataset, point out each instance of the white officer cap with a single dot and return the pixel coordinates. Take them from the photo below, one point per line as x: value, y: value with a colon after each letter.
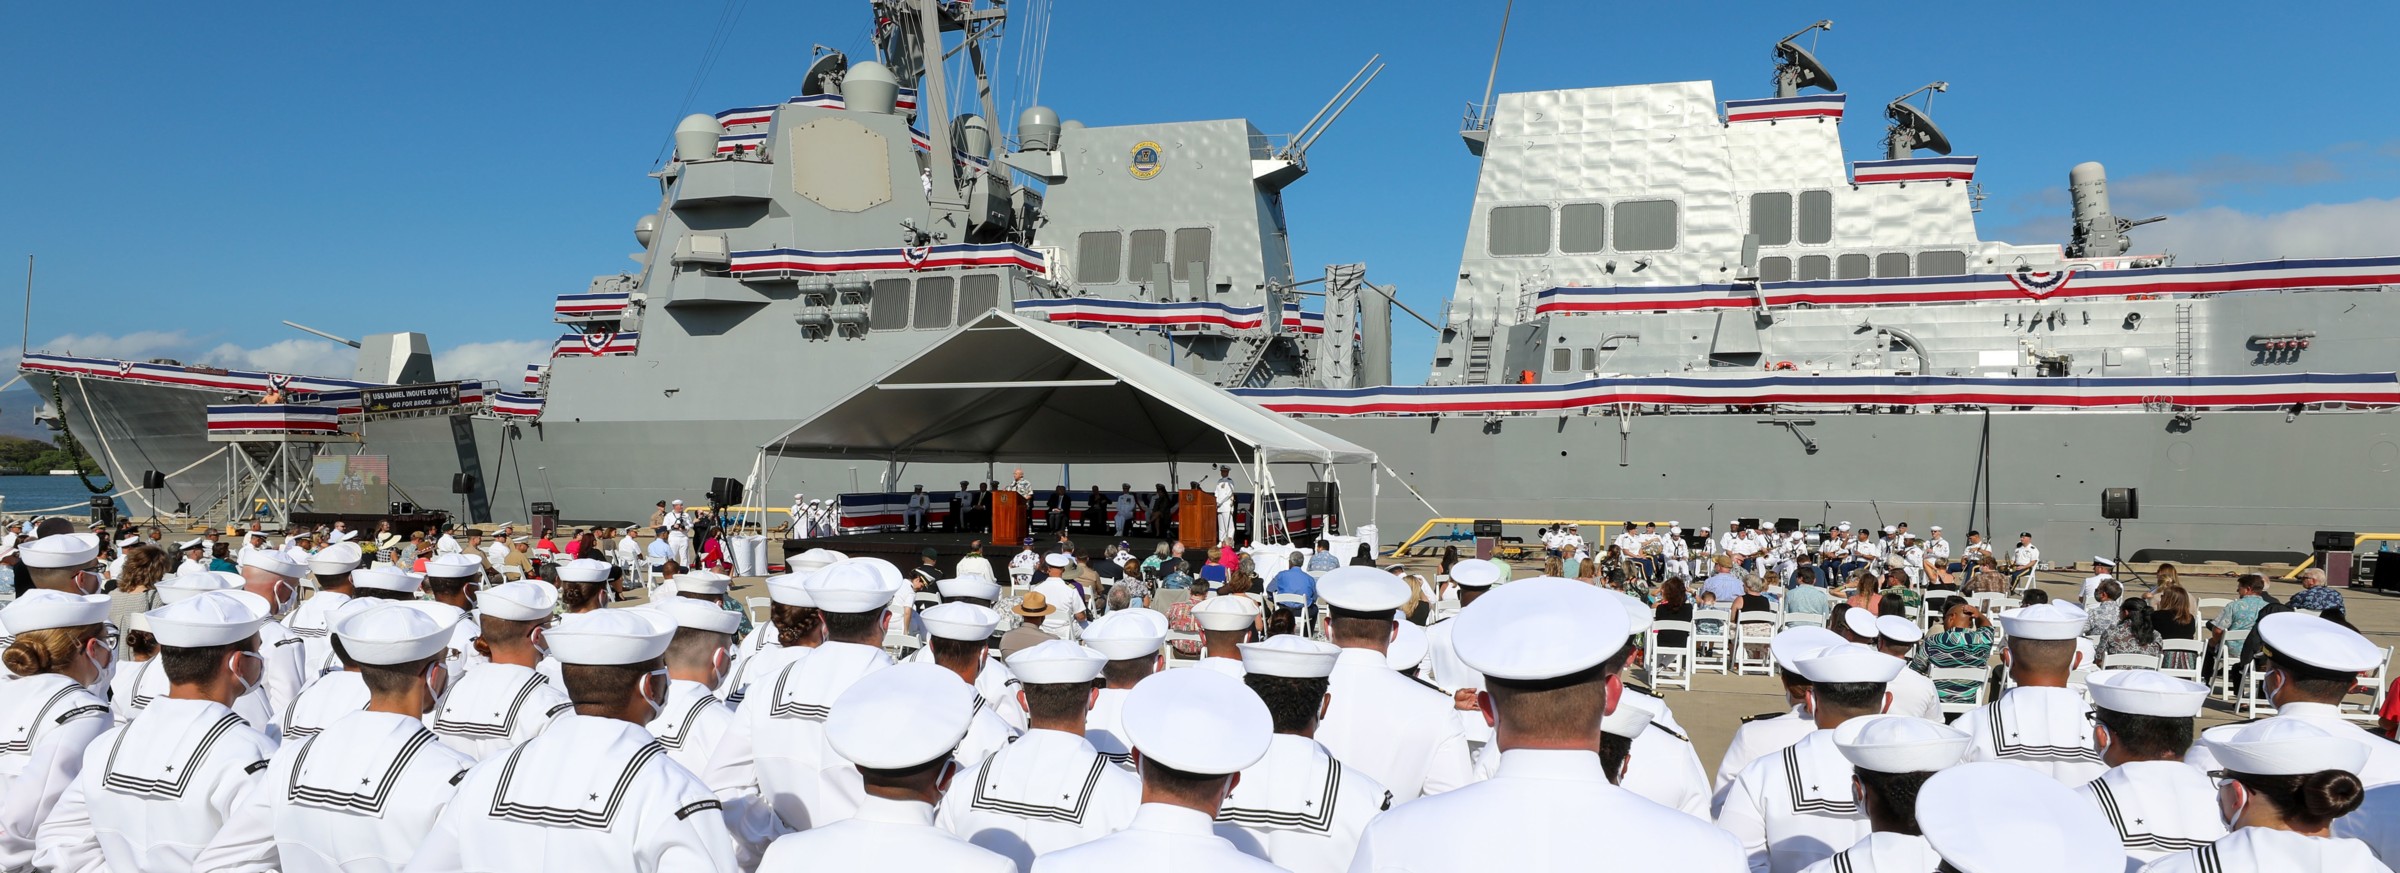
x: 522, y: 600
x: 699, y: 615
x: 1228, y: 613
x: 1862, y: 623
x: 696, y: 581
x: 44, y: 608
x: 1800, y: 642
x: 1538, y: 628
x: 789, y: 589
x: 1475, y: 573
x: 1843, y: 526
x: 2287, y: 747
x: 272, y: 562
x: 1126, y: 634
x: 185, y: 586
x: 588, y: 570
x: 453, y: 566
x: 966, y: 622
x: 2310, y: 640
x: 394, y: 633
x: 1898, y: 629
x: 1290, y: 656
x: 193, y: 543
x: 1363, y: 589
x: 1629, y: 719
x: 1057, y: 662
x: 129, y: 539
x: 977, y: 587
x: 60, y: 550
x: 1197, y: 721
x: 336, y: 559
x: 901, y: 716
x: 815, y: 559
x: 1849, y: 662
x: 1058, y: 559
x: 1900, y: 744
x: 215, y: 618
x: 1935, y: 527
x: 854, y: 585
x: 1890, y: 529
x: 386, y: 579
x: 1998, y: 817
x: 2043, y: 621
x: 2145, y: 692
x: 2099, y: 562
x: 1637, y: 614
x: 610, y: 636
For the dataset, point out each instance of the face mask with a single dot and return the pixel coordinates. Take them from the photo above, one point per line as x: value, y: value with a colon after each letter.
x: 2229, y: 817
x: 437, y: 685
x: 283, y: 603
x: 104, y: 666
x: 241, y: 676
x: 654, y: 692
x: 88, y: 583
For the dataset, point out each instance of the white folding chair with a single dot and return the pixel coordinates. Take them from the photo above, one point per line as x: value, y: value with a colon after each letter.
x: 760, y: 608
x: 511, y: 572
x: 2192, y: 652
x: 1669, y: 665
x: 2206, y: 609
x: 1993, y: 602
x: 1167, y: 597
x: 1744, y: 662
x: 1444, y: 608
x: 2130, y: 661
x: 1178, y: 659
x: 1801, y: 619
x: 2253, y: 700
x: 2223, y: 685
x: 2379, y: 685
x: 1980, y: 677
x: 1711, y: 650
x: 898, y: 643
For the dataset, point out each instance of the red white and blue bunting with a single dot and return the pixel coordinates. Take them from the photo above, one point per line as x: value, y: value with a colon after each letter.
x: 516, y: 406
x: 1913, y: 170
x: 593, y: 305
x: 534, y: 374
x: 274, y: 418
x: 2065, y: 284
x: 597, y: 343
x: 1785, y: 108
x: 789, y: 263
x: 340, y: 394
x: 2198, y: 392
x: 1191, y: 317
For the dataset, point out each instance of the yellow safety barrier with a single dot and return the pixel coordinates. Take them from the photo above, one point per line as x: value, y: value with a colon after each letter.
x: 2294, y: 573
x: 1429, y: 525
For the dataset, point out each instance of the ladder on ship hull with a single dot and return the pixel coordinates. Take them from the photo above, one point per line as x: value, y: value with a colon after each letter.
x: 1479, y: 360
x: 1252, y: 372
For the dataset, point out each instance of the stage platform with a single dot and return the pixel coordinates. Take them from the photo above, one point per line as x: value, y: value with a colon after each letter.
x: 902, y: 549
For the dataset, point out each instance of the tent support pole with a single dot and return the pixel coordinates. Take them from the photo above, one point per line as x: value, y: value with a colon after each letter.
x: 1374, y: 498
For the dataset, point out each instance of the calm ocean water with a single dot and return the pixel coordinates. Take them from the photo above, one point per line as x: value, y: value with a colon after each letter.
x: 20, y: 495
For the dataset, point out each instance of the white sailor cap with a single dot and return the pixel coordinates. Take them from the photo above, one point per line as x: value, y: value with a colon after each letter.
x: 1861, y: 623
x: 1799, y: 642
x: 359, y: 606
x: 1638, y: 615
x: 1890, y: 529
x: 854, y: 585
x: 1363, y: 589
x: 1628, y: 720
x: 1848, y: 663
x: 965, y: 622
x: 522, y: 600
x: 129, y: 539
x: 1539, y: 628
x: 1843, y: 526
x: 1290, y: 656
x: 696, y: 581
x: 2099, y: 562
x: 2286, y: 747
x: 44, y: 608
x: 453, y: 566
x: 1060, y: 560
x: 2307, y: 639
x: 1900, y: 744
x: 395, y: 633
x: 272, y: 562
x: 1935, y: 527
x: 1999, y: 817
x: 2145, y: 692
x: 901, y: 716
x: 977, y: 587
x: 193, y: 543
x: 60, y: 550
x: 1056, y: 662
x: 789, y: 589
x: 336, y: 559
x: 1898, y: 629
x: 610, y: 636
x: 185, y: 586
x: 699, y: 615
x: 386, y: 579
x: 1408, y: 648
x: 1197, y: 721
x: 815, y: 559
x: 1126, y: 634
x: 1230, y: 612
x: 588, y: 570
x: 1475, y: 573
x: 2043, y: 621
x: 215, y: 618
x: 798, y: 495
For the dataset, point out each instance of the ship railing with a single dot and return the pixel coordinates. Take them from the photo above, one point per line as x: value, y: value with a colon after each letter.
x: 1478, y: 116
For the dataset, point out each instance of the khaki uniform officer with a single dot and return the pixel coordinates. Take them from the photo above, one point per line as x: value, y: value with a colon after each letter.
x: 1194, y: 731
x: 1400, y: 732
x: 2157, y: 804
x: 1297, y: 807
x: 1050, y: 789
x: 2000, y: 817
x: 1893, y: 756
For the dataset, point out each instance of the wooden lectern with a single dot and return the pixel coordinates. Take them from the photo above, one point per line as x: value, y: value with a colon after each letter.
x: 1008, y: 518
x: 1196, y: 516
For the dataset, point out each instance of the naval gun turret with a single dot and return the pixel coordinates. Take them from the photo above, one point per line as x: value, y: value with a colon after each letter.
x: 2099, y: 233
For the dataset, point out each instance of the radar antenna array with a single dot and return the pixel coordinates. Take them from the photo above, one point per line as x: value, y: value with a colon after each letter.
x: 1912, y: 128
x: 824, y: 74
x: 1797, y: 68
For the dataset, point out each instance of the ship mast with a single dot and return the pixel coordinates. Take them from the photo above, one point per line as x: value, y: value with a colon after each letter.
x: 917, y: 53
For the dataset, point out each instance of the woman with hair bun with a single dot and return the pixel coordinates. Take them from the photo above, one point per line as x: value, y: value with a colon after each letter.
x: 62, y: 652
x: 2281, y: 783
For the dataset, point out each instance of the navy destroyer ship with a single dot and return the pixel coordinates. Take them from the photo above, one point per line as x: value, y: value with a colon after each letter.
x: 1669, y: 306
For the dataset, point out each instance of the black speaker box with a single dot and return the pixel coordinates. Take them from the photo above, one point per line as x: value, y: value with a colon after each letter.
x: 462, y: 483
x: 2334, y: 541
x: 2119, y: 503
x: 725, y: 492
x: 1487, y: 527
x: 153, y: 480
x: 1323, y: 497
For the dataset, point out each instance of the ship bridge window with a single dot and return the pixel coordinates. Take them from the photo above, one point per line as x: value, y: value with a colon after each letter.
x: 976, y: 294
x: 1581, y: 227
x: 887, y: 305
x: 1774, y: 269
x: 933, y: 302
x: 1891, y: 265
x: 1591, y: 360
x: 1191, y: 247
x: 1771, y: 218
x: 1815, y: 267
x: 1560, y: 359
x: 1941, y: 263
x: 1145, y: 250
x: 1816, y: 218
x: 1519, y: 230
x: 1645, y: 226
x: 1096, y: 257
x: 1850, y: 267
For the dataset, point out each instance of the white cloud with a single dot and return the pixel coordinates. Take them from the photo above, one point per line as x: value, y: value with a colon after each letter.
x: 503, y: 360
x: 2219, y: 234
x: 313, y: 357
x: 139, y: 345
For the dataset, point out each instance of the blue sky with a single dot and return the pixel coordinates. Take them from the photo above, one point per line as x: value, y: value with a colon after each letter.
x: 191, y: 173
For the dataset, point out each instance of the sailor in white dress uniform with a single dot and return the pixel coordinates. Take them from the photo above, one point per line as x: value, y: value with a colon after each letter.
x: 1224, y: 495
x: 340, y: 691
x: 2278, y: 782
x: 2040, y: 723
x: 1660, y: 765
x: 1990, y: 816
x: 764, y: 653
x: 152, y: 792
x: 50, y: 713
x: 331, y: 567
x: 1912, y: 692
x: 1050, y: 789
x: 195, y: 555
x: 358, y: 796
x: 1550, y: 802
x: 992, y: 681
x: 149, y: 680
x: 506, y: 701
x: 961, y: 642
x: 1797, y: 807
x: 1297, y: 807
x: 694, y: 719
x: 276, y: 579
x: 1397, y: 730
x: 594, y: 793
x: 1195, y: 730
x: 1766, y: 734
x: 2157, y: 804
x: 1135, y: 649
x: 901, y: 727
x: 1893, y: 757
x: 1226, y: 622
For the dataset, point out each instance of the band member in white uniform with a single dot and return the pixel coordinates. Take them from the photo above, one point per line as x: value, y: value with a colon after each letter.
x: 694, y: 719
x: 1797, y: 807
x: 1400, y: 732
x: 2282, y: 782
x: 1194, y: 731
x: 2039, y: 723
x: 1892, y: 757
x: 794, y: 628
x: 961, y: 643
x: 2158, y: 805
x: 1226, y: 622
x: 154, y: 791
x: 1990, y: 816
x: 1297, y: 807
x: 901, y: 727
x: 361, y: 794
x: 1050, y: 789
x: 1135, y: 645
x: 1766, y: 734
x: 63, y: 653
x: 1550, y: 803
x: 504, y: 702
x: 595, y: 793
